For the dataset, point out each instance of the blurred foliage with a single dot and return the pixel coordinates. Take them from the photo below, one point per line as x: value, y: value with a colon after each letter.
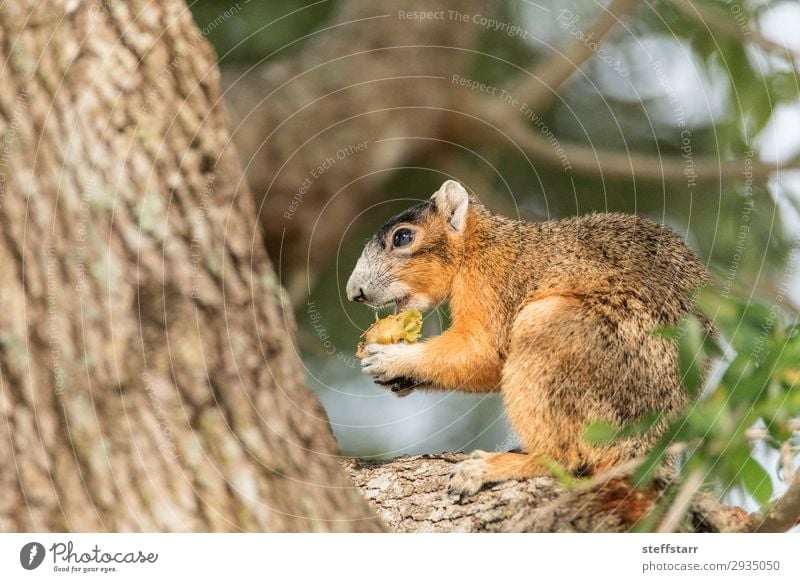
x: 755, y: 387
x: 249, y: 31
x: 690, y: 90
x: 758, y: 387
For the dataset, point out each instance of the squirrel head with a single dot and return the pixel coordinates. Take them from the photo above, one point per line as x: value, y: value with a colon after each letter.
x: 412, y: 259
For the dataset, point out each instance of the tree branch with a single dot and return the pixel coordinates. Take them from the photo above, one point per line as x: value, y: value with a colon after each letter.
x: 756, y: 432
x: 604, y: 163
x: 785, y: 513
x: 409, y: 494
x: 682, y: 503
x: 539, y: 89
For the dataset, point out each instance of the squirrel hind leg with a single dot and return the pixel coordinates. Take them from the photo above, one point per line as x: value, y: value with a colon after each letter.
x: 483, y: 468
x: 569, y: 364
x: 532, y: 374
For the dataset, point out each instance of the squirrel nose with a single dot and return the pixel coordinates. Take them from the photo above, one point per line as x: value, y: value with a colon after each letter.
x: 359, y: 297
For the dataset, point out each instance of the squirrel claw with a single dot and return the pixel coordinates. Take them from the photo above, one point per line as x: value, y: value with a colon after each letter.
x: 401, y: 386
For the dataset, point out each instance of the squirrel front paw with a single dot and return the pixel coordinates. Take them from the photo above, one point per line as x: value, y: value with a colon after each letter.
x: 392, y: 364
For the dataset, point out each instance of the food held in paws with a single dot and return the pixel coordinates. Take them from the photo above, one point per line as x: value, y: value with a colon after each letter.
x: 405, y: 326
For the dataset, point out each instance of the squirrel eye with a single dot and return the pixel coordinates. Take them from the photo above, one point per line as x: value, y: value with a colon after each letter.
x: 402, y: 237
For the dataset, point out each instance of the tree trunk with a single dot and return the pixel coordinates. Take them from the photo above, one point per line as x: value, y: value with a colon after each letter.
x: 148, y: 379
x: 409, y: 494
x: 321, y: 131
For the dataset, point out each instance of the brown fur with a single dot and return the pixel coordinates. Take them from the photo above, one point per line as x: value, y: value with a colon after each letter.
x: 557, y: 316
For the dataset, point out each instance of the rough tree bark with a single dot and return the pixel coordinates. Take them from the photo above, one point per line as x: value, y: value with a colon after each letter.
x: 409, y: 494
x: 371, y: 77
x: 147, y: 376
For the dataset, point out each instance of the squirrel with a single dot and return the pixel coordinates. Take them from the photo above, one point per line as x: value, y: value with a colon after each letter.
x: 557, y: 315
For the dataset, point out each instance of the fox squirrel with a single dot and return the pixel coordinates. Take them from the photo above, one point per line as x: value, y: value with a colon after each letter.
x: 556, y: 315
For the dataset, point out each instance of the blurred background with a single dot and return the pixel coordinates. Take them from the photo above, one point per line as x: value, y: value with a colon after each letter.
x: 346, y: 112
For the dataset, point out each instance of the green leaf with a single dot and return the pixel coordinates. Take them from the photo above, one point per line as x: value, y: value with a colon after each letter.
x: 756, y: 480
x: 559, y: 471
x: 667, y: 332
x: 644, y: 473
x: 691, y: 356
x: 600, y: 432
x: 643, y: 425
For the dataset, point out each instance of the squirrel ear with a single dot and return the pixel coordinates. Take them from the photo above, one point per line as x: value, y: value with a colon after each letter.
x: 452, y: 201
